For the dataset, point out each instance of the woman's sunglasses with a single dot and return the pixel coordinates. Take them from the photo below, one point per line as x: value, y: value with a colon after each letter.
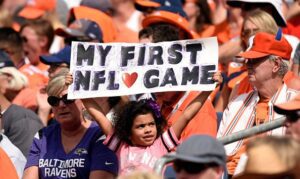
x: 54, y: 101
x: 191, y: 168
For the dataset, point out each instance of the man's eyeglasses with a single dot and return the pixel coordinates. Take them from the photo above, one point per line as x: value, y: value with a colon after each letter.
x: 191, y: 168
x: 54, y: 101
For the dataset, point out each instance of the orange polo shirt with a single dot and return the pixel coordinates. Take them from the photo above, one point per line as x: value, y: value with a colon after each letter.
x: 204, y: 122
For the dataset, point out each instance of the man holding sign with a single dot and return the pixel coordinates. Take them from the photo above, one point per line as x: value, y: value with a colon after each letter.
x: 173, y: 103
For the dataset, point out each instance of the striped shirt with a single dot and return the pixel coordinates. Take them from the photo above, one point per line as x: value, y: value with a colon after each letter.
x: 240, y: 114
x: 141, y: 158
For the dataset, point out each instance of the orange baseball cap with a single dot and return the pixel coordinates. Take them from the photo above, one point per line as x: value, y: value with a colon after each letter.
x: 36, y: 8
x: 169, y: 17
x: 290, y: 106
x: 142, y: 4
x: 265, y: 44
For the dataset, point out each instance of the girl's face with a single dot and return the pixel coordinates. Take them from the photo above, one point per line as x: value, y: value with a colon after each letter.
x: 143, y: 131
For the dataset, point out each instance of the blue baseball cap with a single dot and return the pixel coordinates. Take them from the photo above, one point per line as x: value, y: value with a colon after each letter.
x: 5, y: 61
x: 63, y: 56
x: 84, y: 29
x: 174, y: 9
x: 102, y: 5
x: 142, y: 5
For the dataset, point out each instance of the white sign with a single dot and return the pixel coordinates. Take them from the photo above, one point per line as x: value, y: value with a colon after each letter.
x: 116, y: 69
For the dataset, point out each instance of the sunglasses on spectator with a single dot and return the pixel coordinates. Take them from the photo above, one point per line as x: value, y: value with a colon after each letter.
x: 191, y: 168
x: 254, y: 62
x: 293, y: 116
x: 249, y: 32
x: 54, y: 101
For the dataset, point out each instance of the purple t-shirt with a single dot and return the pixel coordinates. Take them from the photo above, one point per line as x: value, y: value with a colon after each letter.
x: 90, y: 154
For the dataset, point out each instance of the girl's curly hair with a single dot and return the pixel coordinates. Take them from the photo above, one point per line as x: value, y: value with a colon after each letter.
x: 123, y: 120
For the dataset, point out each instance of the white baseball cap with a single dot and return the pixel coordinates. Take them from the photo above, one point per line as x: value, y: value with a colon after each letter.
x: 276, y: 5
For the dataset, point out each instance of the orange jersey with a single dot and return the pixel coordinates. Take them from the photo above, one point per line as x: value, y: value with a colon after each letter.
x: 204, y: 122
x: 37, y: 75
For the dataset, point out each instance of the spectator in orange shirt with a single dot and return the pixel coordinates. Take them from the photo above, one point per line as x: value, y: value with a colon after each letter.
x: 201, y: 21
x: 11, y: 42
x: 37, y: 38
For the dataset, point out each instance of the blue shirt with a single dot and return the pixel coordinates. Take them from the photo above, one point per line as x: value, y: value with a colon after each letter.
x: 90, y: 154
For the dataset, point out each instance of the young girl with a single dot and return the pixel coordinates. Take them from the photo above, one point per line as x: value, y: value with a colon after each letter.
x: 137, y: 134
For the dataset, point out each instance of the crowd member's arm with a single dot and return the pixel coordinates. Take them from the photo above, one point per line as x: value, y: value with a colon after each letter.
x: 43, y: 107
x: 97, y: 113
x: 95, y: 110
x: 193, y: 108
x: 229, y: 50
x: 31, y: 173
x: 220, y: 13
x: 293, y: 11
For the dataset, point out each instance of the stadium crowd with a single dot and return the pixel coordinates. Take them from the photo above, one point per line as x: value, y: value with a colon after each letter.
x: 45, y: 134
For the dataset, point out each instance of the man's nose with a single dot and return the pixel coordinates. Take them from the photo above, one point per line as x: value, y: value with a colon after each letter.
x: 287, y: 123
x: 181, y: 175
x: 61, y: 103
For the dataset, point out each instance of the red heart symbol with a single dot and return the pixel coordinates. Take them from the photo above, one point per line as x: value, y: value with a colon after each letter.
x: 129, y: 79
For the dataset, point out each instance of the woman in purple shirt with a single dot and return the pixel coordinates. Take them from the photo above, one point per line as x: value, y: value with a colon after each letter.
x: 71, y: 148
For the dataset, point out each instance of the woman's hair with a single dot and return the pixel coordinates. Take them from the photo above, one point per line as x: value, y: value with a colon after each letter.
x: 284, y: 65
x: 124, y: 118
x: 57, y: 84
x: 264, y: 21
x: 286, y: 148
x: 18, y: 80
x: 11, y: 39
x: 41, y: 27
x: 204, y: 16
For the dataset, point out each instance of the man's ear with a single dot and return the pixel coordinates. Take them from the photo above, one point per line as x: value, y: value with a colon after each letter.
x: 218, y: 171
x: 277, y: 65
